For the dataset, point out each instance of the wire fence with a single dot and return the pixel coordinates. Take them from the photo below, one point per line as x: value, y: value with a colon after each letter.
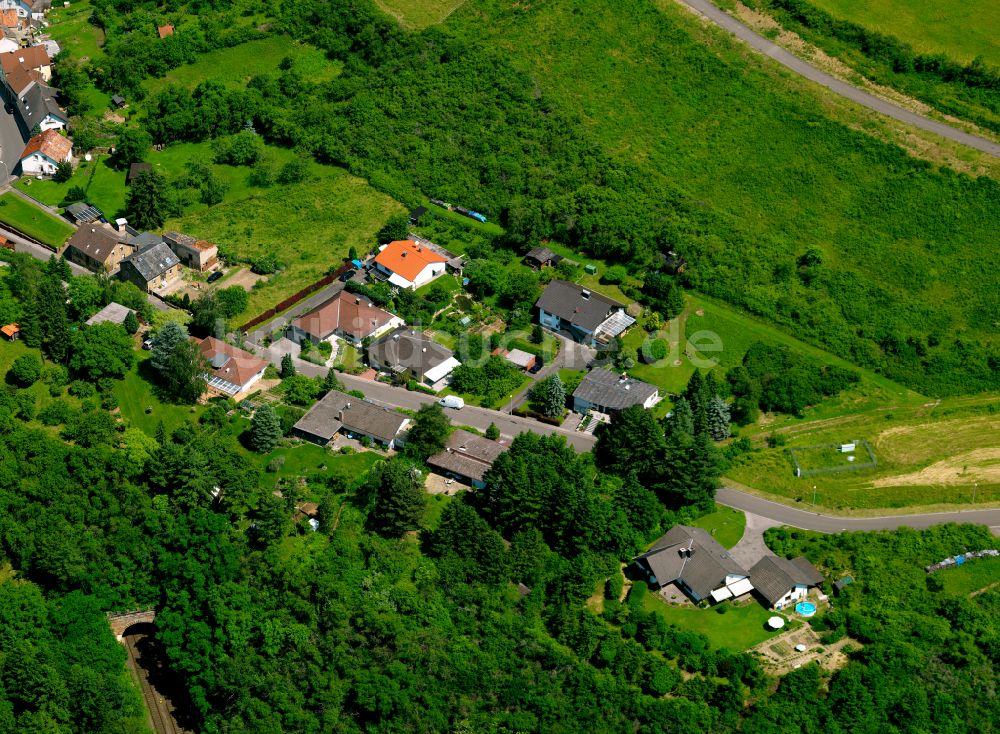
x: 845, y: 450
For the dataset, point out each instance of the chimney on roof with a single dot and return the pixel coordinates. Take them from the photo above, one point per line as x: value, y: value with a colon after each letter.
x: 357, y: 301
x: 424, y: 349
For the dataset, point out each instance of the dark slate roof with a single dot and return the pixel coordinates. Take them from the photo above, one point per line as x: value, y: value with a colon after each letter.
x: 703, y: 572
x: 153, y: 261
x: 579, y: 306
x: 405, y: 349
x: 610, y: 390
x: 82, y: 212
x: 467, y: 454
x: 541, y: 255
x: 36, y: 102
x: 143, y: 240
x: 774, y: 576
x: 94, y: 240
x: 339, y: 410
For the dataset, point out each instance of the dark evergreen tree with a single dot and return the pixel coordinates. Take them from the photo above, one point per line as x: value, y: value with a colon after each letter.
x: 265, y: 429
x: 148, y: 200
x: 492, y: 432
x: 164, y: 343
x: 399, y: 497
x: 131, y: 323
x: 632, y: 443
x: 718, y: 419
x: 429, y: 432
x: 287, y: 367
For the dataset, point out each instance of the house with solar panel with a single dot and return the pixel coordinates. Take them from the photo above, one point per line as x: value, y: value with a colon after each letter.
x: 585, y: 316
x: 152, y: 269
x: 693, y: 560
x: 233, y: 371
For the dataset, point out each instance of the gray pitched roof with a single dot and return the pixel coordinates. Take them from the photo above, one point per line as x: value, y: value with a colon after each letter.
x: 774, y: 576
x: 36, y: 102
x: 542, y: 255
x: 339, y: 410
x: 142, y: 240
x: 577, y: 305
x: 467, y: 454
x: 610, y: 390
x: 94, y: 240
x: 404, y: 349
x: 706, y: 568
x: 153, y: 261
x: 113, y: 312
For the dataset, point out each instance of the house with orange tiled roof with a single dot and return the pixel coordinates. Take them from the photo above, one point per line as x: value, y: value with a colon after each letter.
x: 409, y: 264
x: 232, y: 371
x: 350, y: 317
x: 44, y: 152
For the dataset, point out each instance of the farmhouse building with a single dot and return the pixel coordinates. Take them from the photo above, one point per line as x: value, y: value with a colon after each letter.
x: 97, y: 247
x: 467, y: 456
x: 605, y: 391
x: 233, y: 371
x: 408, y: 264
x: 339, y: 412
x: 588, y: 317
x: 412, y: 355
x: 350, y: 317
x: 694, y: 561
x: 781, y: 581
x: 44, y: 152
x: 196, y: 254
x: 152, y: 268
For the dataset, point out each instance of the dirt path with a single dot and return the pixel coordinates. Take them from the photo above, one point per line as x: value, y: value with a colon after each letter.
x: 807, y: 70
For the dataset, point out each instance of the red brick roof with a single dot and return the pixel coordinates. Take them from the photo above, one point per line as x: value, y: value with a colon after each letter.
x: 238, y: 368
x: 50, y: 144
x: 354, y: 315
x: 8, y: 18
x: 33, y: 57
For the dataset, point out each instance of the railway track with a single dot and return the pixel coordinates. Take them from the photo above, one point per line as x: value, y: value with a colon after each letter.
x: 159, y: 714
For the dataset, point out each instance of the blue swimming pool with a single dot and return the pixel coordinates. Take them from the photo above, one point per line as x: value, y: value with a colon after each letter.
x: 805, y: 608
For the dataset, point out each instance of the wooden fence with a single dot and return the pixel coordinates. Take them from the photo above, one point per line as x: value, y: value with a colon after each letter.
x: 295, y: 298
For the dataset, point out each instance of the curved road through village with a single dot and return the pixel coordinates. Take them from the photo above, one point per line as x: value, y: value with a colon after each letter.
x: 803, y: 68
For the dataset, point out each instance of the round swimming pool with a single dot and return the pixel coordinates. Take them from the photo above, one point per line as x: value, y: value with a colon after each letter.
x: 805, y: 608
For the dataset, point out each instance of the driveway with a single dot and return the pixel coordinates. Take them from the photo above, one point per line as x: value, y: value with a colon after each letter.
x: 785, y: 515
x: 803, y: 68
x: 572, y: 355
x: 751, y: 547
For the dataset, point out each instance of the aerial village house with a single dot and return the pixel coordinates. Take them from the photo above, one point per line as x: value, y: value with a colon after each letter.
x: 151, y: 269
x: 408, y: 264
x: 694, y: 561
x: 588, y: 317
x: 44, y: 152
x: 467, y: 457
x: 350, y: 317
x: 782, y: 582
x: 605, y: 391
x: 197, y: 254
x: 339, y: 412
x: 97, y: 247
x: 413, y: 355
x: 233, y: 370
x: 114, y: 313
x: 33, y: 58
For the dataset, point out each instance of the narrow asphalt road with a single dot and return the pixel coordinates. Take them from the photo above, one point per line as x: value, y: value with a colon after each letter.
x: 831, y: 524
x: 842, y: 88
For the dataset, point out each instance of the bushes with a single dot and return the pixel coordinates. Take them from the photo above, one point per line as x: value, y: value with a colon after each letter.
x: 26, y: 369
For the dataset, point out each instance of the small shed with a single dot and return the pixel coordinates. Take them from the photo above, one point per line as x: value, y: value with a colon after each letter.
x: 11, y: 331
x: 520, y: 358
x: 119, y: 101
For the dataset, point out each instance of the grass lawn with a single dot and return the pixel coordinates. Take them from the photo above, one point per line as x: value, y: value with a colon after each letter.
x: 135, y: 394
x: 236, y: 65
x: 72, y: 29
x: 435, y: 506
x: 419, y: 13
x: 104, y: 185
x: 33, y: 221
x: 741, y: 627
x: 309, y: 227
x: 961, y: 31
x: 971, y: 576
x: 503, y: 405
x: 306, y: 459
x: 726, y: 525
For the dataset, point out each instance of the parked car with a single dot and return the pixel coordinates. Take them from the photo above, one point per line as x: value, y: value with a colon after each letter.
x: 452, y: 401
x: 215, y: 276
x: 344, y: 277
x: 147, y: 344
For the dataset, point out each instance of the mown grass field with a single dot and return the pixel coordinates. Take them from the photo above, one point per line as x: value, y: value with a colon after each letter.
x: 236, y: 65
x: 757, y: 148
x: 309, y: 227
x: 104, y: 185
x: 33, y: 221
x: 960, y: 31
x: 739, y: 628
x: 419, y: 13
x: 136, y: 394
x: 933, y: 453
x: 71, y: 27
x: 726, y: 525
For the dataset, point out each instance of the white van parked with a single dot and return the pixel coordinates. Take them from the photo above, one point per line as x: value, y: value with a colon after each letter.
x: 452, y: 401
